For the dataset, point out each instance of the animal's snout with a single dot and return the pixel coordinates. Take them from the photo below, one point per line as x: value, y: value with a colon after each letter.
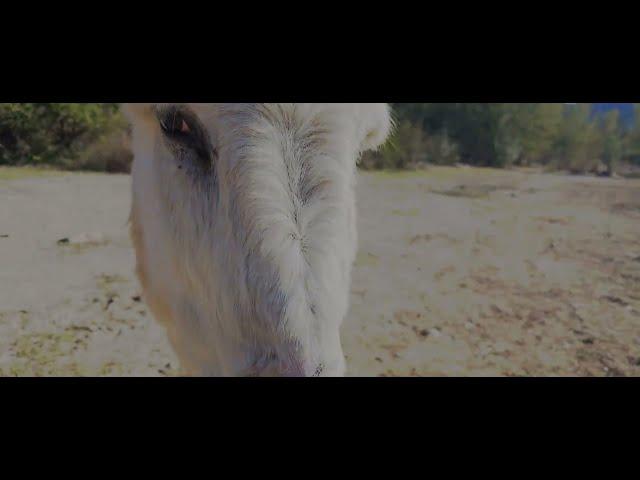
x: 288, y: 365
x: 274, y: 371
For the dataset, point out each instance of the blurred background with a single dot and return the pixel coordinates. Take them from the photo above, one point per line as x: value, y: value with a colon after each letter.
x: 495, y: 240
x: 601, y: 138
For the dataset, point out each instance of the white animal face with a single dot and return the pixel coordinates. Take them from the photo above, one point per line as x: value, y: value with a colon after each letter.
x: 244, y: 224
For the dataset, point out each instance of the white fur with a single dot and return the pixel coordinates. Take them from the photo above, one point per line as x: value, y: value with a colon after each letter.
x: 249, y: 268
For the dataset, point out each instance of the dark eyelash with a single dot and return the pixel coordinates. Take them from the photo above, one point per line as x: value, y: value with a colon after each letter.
x: 171, y: 121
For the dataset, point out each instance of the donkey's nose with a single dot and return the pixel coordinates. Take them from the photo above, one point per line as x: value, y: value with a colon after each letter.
x: 292, y: 370
x: 301, y: 372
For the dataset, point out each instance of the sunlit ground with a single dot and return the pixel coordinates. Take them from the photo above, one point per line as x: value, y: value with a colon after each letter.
x: 461, y: 271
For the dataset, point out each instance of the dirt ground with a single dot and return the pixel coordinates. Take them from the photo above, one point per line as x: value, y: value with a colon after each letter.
x: 461, y: 272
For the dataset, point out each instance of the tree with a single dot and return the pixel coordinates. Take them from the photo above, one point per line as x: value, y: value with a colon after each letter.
x: 538, y: 127
x: 612, y: 140
x: 576, y: 144
x: 632, y: 143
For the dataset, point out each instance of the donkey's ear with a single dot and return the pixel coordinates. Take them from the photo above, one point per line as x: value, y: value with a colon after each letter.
x: 375, y: 125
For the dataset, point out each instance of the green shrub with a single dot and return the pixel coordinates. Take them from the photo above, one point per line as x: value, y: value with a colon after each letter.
x: 411, y: 147
x: 54, y: 133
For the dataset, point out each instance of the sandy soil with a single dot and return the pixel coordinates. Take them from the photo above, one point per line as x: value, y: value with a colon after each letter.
x: 461, y: 272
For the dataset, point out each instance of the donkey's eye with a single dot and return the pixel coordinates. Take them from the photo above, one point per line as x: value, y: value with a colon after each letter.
x: 174, y: 124
x: 184, y: 133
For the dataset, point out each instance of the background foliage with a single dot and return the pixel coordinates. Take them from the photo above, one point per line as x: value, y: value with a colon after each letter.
x: 572, y: 137
x: 67, y: 135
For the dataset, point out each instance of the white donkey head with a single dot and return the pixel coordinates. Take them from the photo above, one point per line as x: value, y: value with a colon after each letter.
x: 244, y: 225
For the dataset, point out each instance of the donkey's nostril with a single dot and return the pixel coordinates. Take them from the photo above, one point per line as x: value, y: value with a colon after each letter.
x: 319, y: 370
